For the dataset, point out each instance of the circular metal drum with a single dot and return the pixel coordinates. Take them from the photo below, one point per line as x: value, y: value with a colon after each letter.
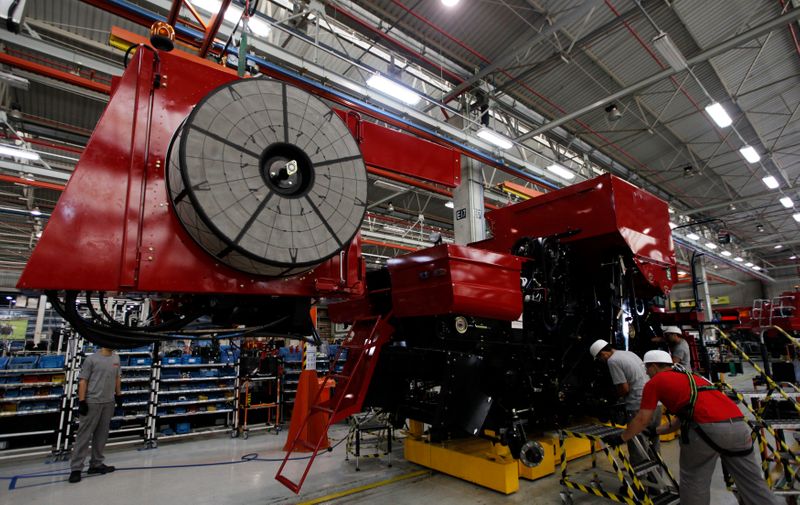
x: 267, y: 178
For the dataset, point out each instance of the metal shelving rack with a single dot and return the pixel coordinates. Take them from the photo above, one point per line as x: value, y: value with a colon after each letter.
x: 20, y: 405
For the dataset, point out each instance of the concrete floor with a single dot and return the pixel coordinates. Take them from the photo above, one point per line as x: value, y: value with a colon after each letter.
x: 253, y: 482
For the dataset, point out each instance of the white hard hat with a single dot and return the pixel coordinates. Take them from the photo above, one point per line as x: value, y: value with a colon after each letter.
x: 657, y: 357
x: 597, y: 346
x: 672, y: 329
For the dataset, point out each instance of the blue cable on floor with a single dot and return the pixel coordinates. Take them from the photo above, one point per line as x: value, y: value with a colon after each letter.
x: 253, y: 456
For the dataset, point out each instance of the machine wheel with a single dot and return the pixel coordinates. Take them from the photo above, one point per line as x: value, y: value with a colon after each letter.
x: 267, y: 178
x: 566, y: 497
x: 245, y: 434
x: 234, y: 433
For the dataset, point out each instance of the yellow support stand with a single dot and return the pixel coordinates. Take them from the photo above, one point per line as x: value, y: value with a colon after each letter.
x: 489, y: 465
x: 474, y: 460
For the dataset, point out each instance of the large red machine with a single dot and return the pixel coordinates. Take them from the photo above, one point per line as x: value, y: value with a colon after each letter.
x: 240, y: 199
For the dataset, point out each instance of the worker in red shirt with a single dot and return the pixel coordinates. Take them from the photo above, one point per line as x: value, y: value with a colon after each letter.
x: 711, y: 425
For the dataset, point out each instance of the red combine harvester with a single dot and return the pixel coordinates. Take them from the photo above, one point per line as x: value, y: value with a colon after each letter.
x: 240, y: 200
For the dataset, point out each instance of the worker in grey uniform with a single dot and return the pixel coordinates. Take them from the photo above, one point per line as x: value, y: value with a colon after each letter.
x: 99, y: 390
x: 678, y: 347
x: 629, y: 376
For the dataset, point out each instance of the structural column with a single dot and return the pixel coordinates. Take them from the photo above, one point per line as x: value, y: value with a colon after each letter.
x: 468, y: 209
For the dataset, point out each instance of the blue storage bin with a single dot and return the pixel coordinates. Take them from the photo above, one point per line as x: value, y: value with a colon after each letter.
x: 51, y: 361
x: 144, y: 348
x: 3, y: 361
x: 168, y: 373
x: 191, y: 360
x: 182, y: 428
x: 123, y: 361
x: 12, y: 393
x: 23, y: 362
x: 170, y: 360
x: 57, y: 390
x: 137, y: 361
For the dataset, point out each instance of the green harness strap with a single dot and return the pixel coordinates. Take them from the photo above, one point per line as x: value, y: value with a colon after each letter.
x: 688, y: 413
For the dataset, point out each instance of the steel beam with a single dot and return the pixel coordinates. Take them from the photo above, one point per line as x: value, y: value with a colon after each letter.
x: 649, y: 81
x: 59, y: 52
x: 59, y: 75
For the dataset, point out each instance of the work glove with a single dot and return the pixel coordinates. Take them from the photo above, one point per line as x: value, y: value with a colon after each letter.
x: 650, y: 432
x: 83, y: 407
x: 118, y: 401
x: 613, y: 440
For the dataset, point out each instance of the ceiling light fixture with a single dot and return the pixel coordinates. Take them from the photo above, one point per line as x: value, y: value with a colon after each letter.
x: 793, y: 257
x: 692, y: 236
x: 787, y: 202
x: 778, y: 246
x: 756, y: 267
x: 495, y: 138
x: 750, y: 154
x: 796, y: 216
x: 719, y: 115
x: 711, y: 245
x: 672, y: 225
x: 393, y: 89
x: 7, y: 150
x: 449, y: 205
x: 738, y: 258
x: 748, y: 264
x: 561, y: 171
x: 725, y: 253
x: 450, y: 3
x: 670, y: 52
x: 36, y: 212
x: 770, y: 182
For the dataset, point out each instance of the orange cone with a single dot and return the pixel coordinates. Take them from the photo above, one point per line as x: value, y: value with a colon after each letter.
x: 317, y: 427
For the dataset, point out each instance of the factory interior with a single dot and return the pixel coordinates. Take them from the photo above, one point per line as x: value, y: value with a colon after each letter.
x: 411, y: 251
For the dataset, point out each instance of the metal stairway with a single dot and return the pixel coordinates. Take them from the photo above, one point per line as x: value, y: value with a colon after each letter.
x: 363, y: 345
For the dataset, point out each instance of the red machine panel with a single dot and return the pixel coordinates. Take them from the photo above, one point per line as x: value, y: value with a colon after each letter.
x: 603, y: 213
x: 114, y: 228
x: 449, y: 279
x: 391, y: 149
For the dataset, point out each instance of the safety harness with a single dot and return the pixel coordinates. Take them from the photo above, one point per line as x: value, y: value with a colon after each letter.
x: 687, y: 414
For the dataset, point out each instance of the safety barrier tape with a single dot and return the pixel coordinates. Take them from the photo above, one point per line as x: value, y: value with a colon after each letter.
x: 631, y: 499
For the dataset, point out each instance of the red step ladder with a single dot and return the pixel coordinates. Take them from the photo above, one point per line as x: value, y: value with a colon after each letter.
x: 363, y: 344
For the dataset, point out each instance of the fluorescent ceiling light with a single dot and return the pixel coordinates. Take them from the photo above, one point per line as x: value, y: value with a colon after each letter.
x: 681, y: 272
x: 450, y: 3
x: 393, y: 89
x: 670, y: 52
x: 756, y: 267
x: 711, y: 245
x: 738, y: 259
x: 719, y: 115
x: 672, y: 225
x: 692, y: 236
x: 793, y: 257
x: 449, y: 205
x: 726, y: 253
x: 36, y: 212
x: 389, y: 185
x: 561, y: 171
x: 779, y: 246
x: 796, y: 216
x: 750, y: 154
x: 671, y: 210
x: 18, y: 153
x: 787, y: 202
x: 748, y: 264
x: 495, y: 138
x: 770, y: 182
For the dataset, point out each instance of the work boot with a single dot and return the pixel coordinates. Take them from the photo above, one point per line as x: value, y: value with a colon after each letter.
x: 75, y: 476
x: 101, y: 469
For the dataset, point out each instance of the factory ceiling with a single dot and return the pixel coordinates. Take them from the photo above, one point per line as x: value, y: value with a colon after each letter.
x: 595, y: 86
